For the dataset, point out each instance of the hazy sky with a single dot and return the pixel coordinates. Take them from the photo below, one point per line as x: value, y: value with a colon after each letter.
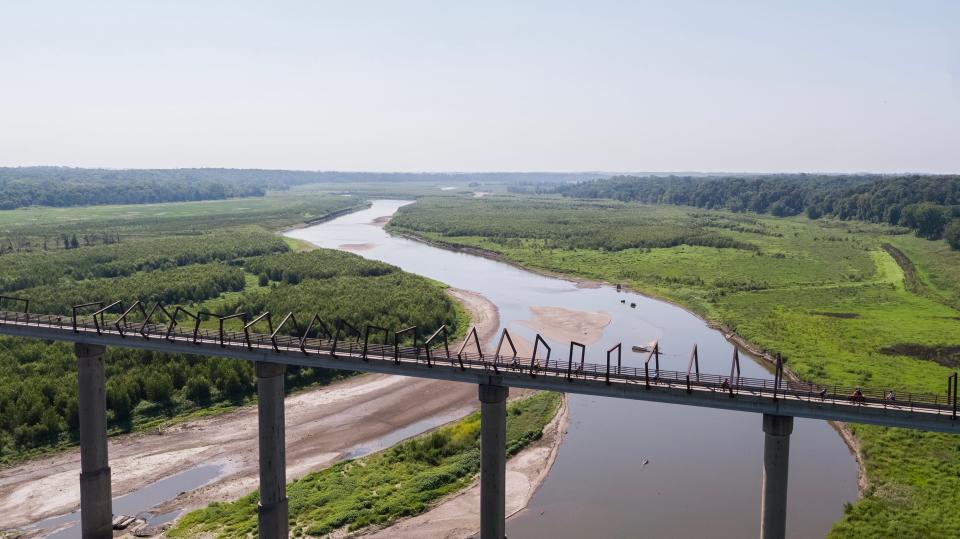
x: 402, y: 85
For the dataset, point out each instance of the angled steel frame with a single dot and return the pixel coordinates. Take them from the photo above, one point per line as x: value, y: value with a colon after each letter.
x: 366, y: 338
x: 98, y: 304
x: 654, y: 353
x: 122, y: 323
x: 693, y: 364
x: 102, y: 312
x: 296, y: 329
x: 734, y: 380
x: 496, y: 355
x: 583, y: 355
x: 25, y: 301
x: 952, y: 393
x: 446, y: 345
x: 306, y: 333
x: 396, y: 344
x: 149, y: 315
x: 777, y: 376
x: 173, y: 322
x: 476, y: 339
x: 222, y: 319
x: 787, y: 391
x: 534, y: 361
x: 619, y: 348
x: 248, y: 325
x: 341, y: 323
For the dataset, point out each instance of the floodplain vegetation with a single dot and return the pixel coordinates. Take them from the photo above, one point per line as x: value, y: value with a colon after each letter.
x: 34, y: 229
x: 378, y: 489
x: 229, y: 265
x: 844, y: 302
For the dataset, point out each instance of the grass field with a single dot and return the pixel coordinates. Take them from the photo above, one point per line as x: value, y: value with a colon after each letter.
x: 273, y: 211
x: 827, y: 295
x: 381, y: 488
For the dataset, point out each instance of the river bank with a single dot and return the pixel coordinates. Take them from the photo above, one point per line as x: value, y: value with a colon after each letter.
x: 666, y: 473
x: 458, y: 515
x: 755, y: 351
x: 323, y: 425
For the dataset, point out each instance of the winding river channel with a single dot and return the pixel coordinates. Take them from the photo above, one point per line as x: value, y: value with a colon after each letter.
x: 628, y: 468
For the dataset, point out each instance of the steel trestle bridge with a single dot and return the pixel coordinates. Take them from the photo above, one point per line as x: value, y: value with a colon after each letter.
x: 342, y: 346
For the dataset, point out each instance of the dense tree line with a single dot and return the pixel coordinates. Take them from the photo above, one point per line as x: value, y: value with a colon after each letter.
x: 38, y: 402
x: 32, y: 269
x: 394, y: 301
x: 320, y: 264
x: 57, y: 186
x: 193, y: 283
x: 925, y: 204
x: 38, y: 394
x: 66, y: 186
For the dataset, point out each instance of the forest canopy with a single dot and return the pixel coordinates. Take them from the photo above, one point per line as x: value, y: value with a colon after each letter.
x: 66, y: 186
x: 924, y: 203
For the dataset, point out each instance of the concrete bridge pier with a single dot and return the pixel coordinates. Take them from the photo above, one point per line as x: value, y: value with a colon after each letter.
x: 272, y: 509
x: 96, y: 510
x: 776, y: 461
x: 493, y: 461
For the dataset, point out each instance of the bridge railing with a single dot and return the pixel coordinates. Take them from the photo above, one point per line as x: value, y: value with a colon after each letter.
x: 287, y: 344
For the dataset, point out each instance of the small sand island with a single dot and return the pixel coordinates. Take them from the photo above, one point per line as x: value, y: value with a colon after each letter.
x: 562, y: 324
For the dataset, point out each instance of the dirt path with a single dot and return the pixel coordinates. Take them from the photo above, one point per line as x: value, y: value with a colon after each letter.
x: 458, y: 516
x: 322, y: 425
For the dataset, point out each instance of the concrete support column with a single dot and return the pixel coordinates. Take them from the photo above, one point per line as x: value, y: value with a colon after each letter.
x: 493, y: 461
x: 272, y: 510
x: 96, y: 511
x: 776, y: 462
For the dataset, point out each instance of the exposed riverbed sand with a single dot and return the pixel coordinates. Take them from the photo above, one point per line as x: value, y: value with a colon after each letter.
x: 458, y: 516
x: 381, y: 221
x: 564, y: 325
x: 322, y: 425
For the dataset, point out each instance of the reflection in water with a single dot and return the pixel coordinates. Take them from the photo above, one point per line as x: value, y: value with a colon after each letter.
x: 134, y: 503
x: 629, y: 468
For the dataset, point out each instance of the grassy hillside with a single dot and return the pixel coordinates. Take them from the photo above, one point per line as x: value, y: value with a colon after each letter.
x: 828, y: 295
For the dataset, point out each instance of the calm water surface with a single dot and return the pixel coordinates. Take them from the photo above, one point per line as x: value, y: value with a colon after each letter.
x: 702, y: 471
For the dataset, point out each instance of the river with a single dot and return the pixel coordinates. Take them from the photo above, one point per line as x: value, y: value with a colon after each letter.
x: 629, y: 468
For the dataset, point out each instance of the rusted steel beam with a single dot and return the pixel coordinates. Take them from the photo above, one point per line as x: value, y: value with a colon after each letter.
x: 121, y: 322
x: 496, y: 355
x: 296, y: 328
x: 534, y: 360
x: 583, y: 353
x: 476, y: 339
x: 24, y: 301
x: 366, y: 338
x: 248, y: 325
x: 442, y: 330
x: 618, y: 347
x: 396, y: 344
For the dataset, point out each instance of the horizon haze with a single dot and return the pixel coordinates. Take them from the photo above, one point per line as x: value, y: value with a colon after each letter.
x: 749, y: 86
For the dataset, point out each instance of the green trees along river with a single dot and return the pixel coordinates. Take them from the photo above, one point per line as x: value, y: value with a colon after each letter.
x: 217, y: 269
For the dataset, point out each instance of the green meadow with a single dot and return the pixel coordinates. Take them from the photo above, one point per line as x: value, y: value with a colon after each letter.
x: 844, y: 303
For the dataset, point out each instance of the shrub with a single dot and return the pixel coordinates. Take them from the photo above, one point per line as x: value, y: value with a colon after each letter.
x: 952, y: 234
